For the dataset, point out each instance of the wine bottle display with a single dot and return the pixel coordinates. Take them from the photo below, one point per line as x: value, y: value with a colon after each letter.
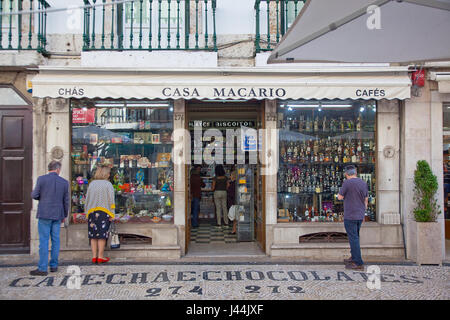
x: 314, y: 148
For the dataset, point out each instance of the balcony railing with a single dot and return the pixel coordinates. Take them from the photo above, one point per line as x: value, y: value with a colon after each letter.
x: 150, y: 25
x: 273, y: 18
x: 20, y: 28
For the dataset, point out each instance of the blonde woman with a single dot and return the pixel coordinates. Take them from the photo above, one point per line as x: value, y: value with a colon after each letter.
x: 99, y: 207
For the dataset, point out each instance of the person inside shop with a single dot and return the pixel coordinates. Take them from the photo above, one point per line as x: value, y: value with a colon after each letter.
x: 354, y: 192
x: 52, y: 191
x: 100, y: 211
x: 196, y: 185
x: 219, y: 187
x: 231, y: 199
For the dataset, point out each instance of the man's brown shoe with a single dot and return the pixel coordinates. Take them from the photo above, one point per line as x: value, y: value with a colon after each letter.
x: 38, y: 272
x: 354, y: 266
x: 347, y: 261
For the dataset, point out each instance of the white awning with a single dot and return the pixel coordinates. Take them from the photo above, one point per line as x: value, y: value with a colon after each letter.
x: 443, y: 80
x: 373, y: 31
x: 229, y: 83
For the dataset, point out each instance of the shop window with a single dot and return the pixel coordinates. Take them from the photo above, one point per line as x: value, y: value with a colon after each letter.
x: 135, y: 139
x: 446, y: 147
x: 317, y: 140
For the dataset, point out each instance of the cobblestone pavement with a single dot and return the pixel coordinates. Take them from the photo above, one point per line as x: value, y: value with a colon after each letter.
x: 200, y: 281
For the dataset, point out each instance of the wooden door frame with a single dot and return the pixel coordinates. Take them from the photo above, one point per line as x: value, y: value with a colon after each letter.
x: 28, y: 183
x: 263, y: 182
x: 260, y: 109
x: 187, y: 226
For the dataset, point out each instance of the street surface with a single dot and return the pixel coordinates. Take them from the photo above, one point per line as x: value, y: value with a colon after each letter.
x: 222, y: 281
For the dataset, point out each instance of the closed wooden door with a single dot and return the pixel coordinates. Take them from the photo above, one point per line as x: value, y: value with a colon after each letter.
x: 15, y: 178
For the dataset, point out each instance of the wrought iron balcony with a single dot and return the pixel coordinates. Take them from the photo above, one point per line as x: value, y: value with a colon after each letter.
x: 273, y: 18
x: 150, y: 25
x: 20, y: 28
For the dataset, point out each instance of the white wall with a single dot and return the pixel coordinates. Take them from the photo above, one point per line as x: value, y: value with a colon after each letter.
x: 65, y: 22
x: 235, y: 17
x: 232, y: 17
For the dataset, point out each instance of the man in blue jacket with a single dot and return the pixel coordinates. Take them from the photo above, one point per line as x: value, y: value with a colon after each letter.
x: 52, y: 191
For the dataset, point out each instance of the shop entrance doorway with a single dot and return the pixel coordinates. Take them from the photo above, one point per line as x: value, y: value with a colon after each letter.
x: 224, y: 135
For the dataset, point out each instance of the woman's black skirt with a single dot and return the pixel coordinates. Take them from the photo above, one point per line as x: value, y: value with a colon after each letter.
x: 98, y: 225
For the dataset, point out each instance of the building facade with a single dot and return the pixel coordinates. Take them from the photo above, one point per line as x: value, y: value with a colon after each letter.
x: 152, y: 88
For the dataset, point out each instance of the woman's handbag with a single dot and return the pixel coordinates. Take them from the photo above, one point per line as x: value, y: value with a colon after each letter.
x: 115, y: 241
x: 232, y: 213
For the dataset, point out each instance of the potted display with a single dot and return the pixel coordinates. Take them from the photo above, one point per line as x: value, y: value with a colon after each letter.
x: 429, y: 240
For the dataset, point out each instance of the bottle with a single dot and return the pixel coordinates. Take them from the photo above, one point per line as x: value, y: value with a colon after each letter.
x: 289, y: 153
x: 301, y: 123
x: 350, y: 125
x: 308, y: 124
x: 283, y: 152
x: 358, y: 123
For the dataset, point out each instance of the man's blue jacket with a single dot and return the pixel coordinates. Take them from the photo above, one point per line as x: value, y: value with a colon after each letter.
x: 52, y: 191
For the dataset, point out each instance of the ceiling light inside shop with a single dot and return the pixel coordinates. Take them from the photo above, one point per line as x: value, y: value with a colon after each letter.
x: 109, y: 105
x: 302, y: 105
x: 319, y: 106
x: 337, y: 105
x: 147, y: 105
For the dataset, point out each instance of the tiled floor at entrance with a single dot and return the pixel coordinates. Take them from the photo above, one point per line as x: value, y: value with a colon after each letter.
x: 209, y: 233
x: 209, y: 240
x: 217, y: 250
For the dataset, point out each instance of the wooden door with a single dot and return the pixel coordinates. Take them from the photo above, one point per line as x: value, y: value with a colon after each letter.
x: 15, y: 178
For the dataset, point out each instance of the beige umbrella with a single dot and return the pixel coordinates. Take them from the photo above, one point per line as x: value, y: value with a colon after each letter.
x: 367, y: 31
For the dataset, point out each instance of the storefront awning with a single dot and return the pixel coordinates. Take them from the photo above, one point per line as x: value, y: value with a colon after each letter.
x: 367, y: 31
x: 222, y: 84
x: 443, y: 80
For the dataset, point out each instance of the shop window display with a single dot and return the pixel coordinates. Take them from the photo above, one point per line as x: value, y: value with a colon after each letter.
x: 135, y: 139
x: 318, y: 139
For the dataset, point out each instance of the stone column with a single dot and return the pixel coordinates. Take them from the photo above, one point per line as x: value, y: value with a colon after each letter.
x: 388, y: 165
x: 421, y: 140
x: 51, y: 141
x: 180, y: 155
x: 59, y: 134
x: 39, y: 164
x: 269, y: 155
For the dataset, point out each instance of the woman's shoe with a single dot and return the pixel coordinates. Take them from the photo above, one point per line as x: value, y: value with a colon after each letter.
x: 100, y: 260
x: 94, y: 260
